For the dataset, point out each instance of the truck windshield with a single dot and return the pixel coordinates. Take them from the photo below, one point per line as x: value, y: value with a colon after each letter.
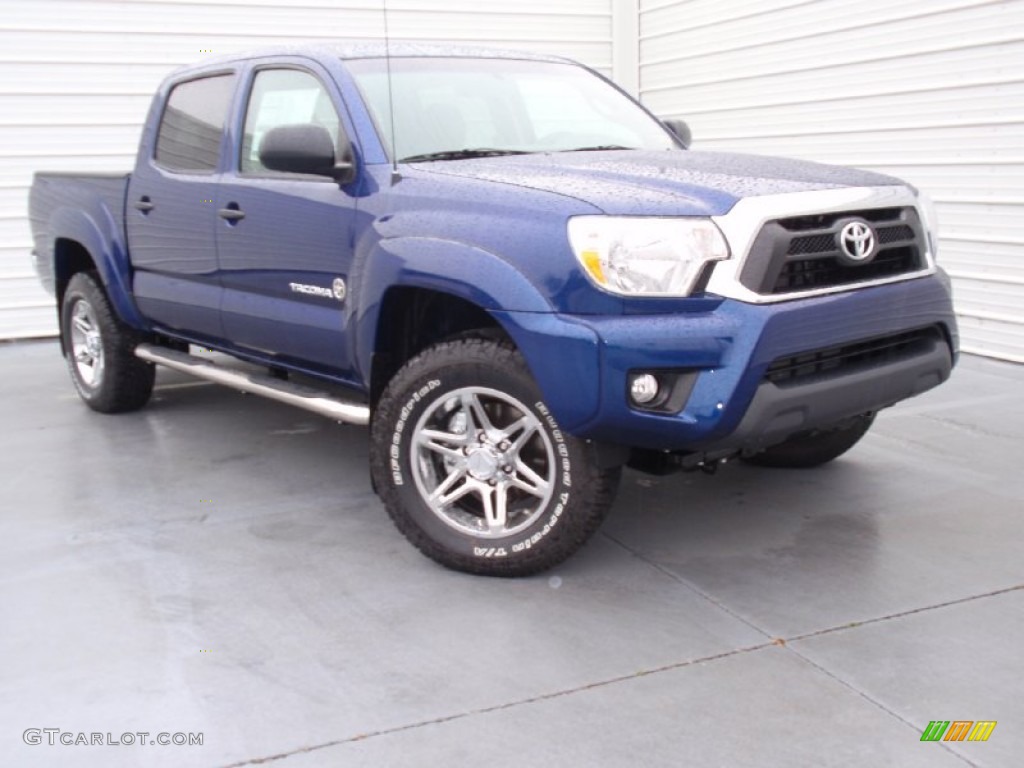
x: 454, y: 108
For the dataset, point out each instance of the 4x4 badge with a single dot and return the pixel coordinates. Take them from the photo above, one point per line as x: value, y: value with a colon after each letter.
x: 857, y: 241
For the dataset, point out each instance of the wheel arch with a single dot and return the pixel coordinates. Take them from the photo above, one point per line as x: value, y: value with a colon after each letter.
x: 431, y: 289
x: 413, y: 318
x: 80, y: 244
x: 69, y: 258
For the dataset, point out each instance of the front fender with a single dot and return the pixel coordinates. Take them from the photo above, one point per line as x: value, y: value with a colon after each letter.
x: 483, y: 278
x: 101, y: 236
x: 474, y: 275
x: 565, y: 371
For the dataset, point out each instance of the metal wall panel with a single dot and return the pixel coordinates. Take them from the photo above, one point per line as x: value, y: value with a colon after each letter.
x: 928, y: 90
x: 76, y: 77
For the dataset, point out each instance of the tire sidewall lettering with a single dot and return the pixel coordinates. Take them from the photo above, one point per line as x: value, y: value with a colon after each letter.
x: 395, y: 449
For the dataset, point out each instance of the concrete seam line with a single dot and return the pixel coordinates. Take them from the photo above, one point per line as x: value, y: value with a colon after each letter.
x: 784, y: 642
x: 901, y: 614
x: 507, y: 705
x: 688, y: 584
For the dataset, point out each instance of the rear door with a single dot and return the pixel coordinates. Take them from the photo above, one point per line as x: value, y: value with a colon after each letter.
x: 171, y: 211
x: 285, y: 248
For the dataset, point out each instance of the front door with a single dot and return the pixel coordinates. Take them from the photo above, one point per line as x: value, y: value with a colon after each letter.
x: 284, y: 240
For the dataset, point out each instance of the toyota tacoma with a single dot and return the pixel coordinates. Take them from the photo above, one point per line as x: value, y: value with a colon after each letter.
x: 515, y: 275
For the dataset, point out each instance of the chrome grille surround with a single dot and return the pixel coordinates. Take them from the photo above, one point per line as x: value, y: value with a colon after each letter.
x: 742, y: 225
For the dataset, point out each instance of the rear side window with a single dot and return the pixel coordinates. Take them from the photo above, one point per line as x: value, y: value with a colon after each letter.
x: 192, y: 124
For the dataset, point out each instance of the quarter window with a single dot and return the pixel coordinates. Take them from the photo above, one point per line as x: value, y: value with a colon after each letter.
x: 193, y: 123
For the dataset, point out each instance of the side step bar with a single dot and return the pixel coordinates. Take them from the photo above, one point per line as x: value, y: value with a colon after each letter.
x: 306, y: 398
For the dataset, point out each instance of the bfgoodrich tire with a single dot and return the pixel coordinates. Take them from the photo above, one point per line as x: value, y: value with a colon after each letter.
x: 816, y: 448
x: 100, y: 350
x: 473, y: 468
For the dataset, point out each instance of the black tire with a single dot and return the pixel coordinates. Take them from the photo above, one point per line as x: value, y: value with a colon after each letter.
x: 550, y: 485
x: 100, y: 350
x: 816, y: 448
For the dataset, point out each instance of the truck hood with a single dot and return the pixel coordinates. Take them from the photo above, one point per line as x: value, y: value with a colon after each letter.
x: 635, y: 182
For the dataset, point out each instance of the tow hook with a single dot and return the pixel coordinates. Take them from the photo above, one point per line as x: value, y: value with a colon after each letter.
x: 665, y: 462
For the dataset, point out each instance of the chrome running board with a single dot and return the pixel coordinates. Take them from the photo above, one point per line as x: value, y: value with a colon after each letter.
x: 298, y: 395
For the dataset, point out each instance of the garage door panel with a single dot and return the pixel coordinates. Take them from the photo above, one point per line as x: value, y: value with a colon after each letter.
x: 930, y: 91
x: 924, y: 109
x: 992, y: 337
x: 76, y: 78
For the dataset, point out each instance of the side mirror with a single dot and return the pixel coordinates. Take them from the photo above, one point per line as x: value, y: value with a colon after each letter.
x: 304, y: 148
x: 681, y: 131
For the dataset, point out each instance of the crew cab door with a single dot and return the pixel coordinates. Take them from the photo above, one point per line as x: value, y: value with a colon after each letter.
x: 284, y: 240
x: 170, y: 210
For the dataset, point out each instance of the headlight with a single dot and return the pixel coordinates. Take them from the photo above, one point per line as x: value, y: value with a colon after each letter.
x: 931, y: 221
x: 642, y: 256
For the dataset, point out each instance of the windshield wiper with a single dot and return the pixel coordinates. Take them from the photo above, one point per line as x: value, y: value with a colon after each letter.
x: 598, y: 148
x: 461, y: 154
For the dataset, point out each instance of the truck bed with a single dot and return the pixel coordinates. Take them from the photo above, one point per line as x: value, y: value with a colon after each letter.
x: 96, y: 198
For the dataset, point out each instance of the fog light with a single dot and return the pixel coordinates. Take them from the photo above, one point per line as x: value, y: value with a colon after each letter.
x: 643, y: 389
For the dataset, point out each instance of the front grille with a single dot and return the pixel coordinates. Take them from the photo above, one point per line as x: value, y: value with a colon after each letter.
x: 887, y: 235
x: 829, y: 220
x: 823, y: 363
x: 809, y: 274
x: 811, y: 244
x: 802, y: 253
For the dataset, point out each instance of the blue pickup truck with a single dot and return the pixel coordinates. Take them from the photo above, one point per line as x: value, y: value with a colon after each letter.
x: 519, y: 278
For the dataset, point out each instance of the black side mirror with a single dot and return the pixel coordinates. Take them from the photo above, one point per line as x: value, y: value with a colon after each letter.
x: 304, y: 148
x: 681, y: 131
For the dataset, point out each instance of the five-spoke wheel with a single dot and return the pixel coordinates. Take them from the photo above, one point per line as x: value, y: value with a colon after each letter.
x: 474, y: 469
x: 483, y: 463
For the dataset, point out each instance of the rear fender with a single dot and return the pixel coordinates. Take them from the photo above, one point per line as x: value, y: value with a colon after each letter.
x: 102, y: 238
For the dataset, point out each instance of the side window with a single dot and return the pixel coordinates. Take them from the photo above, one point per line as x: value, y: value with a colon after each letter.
x: 284, y: 97
x: 193, y: 123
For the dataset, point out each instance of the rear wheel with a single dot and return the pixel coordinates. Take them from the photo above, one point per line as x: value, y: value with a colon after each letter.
x: 100, y: 350
x: 473, y: 468
x: 815, y: 448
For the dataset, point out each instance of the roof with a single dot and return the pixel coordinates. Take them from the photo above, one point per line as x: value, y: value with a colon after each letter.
x: 363, y: 49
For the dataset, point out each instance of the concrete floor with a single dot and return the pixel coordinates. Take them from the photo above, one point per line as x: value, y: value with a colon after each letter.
x: 217, y: 563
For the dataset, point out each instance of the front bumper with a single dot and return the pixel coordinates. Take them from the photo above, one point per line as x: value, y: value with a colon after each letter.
x: 582, y: 365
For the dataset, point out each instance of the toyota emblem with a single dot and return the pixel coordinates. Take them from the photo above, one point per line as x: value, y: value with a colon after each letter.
x: 857, y: 241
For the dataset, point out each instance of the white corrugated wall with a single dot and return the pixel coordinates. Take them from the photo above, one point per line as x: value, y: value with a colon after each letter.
x: 76, y: 77
x: 928, y: 90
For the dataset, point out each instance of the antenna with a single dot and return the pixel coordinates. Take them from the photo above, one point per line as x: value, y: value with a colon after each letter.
x: 395, y: 176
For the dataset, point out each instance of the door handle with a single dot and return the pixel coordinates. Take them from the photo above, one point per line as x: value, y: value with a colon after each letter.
x: 143, y: 204
x: 231, y: 213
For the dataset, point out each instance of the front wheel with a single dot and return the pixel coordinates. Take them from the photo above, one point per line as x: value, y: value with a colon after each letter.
x: 100, y: 350
x: 473, y: 468
x: 816, y: 448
